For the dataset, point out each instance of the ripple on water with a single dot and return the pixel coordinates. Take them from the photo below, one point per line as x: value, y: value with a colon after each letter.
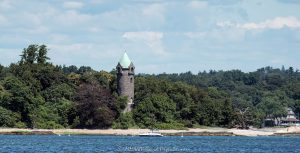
x: 207, y: 144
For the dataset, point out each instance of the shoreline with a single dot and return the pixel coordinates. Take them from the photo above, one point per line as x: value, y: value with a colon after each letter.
x: 289, y: 131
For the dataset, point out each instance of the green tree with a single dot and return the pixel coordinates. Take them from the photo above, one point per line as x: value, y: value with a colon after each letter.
x: 272, y: 107
x: 34, y: 53
x: 124, y: 121
x: 8, y: 118
x: 29, y: 54
x: 155, y: 109
x: 42, y: 54
x: 20, y: 98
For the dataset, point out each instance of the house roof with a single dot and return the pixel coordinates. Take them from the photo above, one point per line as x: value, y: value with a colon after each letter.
x: 125, y: 61
x: 290, y: 111
x: 290, y: 120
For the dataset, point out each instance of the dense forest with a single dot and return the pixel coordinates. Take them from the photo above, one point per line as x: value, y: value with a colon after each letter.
x: 34, y: 93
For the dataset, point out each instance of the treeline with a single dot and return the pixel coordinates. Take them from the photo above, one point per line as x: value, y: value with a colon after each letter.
x: 34, y: 93
x: 37, y: 94
x: 265, y: 93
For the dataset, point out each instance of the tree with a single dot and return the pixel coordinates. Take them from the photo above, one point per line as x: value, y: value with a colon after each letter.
x: 42, y: 54
x: 45, y: 117
x: 20, y: 99
x: 29, y: 54
x: 274, y: 81
x: 155, y: 109
x: 227, y: 114
x: 57, y: 92
x: 85, y: 69
x: 125, y: 121
x: 8, y: 118
x: 95, y: 106
x: 70, y: 69
x: 34, y: 53
x: 36, y: 93
x: 244, y: 118
x: 273, y: 107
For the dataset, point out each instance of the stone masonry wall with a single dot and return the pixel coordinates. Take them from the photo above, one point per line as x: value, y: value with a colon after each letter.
x: 126, y: 84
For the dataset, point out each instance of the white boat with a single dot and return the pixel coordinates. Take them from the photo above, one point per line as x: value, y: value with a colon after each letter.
x: 151, y: 134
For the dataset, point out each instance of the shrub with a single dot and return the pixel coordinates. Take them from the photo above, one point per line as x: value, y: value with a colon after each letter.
x: 8, y: 118
x: 20, y: 125
x: 125, y: 121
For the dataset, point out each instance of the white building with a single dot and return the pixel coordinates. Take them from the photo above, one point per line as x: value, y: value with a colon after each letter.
x: 290, y: 119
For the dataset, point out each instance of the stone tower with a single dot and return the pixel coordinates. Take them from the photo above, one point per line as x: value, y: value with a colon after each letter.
x: 125, y: 80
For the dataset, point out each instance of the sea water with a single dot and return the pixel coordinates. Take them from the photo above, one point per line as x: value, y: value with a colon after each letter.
x: 193, y: 144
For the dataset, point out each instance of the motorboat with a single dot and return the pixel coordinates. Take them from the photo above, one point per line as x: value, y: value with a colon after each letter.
x: 152, y: 133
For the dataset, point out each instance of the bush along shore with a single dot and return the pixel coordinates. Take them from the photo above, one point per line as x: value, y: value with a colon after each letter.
x: 36, y: 94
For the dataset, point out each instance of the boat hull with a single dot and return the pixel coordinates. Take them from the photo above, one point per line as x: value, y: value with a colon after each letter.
x: 151, y: 135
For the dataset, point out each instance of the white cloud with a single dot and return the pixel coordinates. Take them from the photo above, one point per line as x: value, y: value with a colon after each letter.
x: 298, y: 35
x: 276, y: 23
x: 73, y: 18
x: 3, y: 20
x: 195, y: 34
x: 197, y: 4
x: 97, y: 1
x: 277, y: 61
x: 73, y: 5
x: 130, y: 17
x: 60, y: 53
x: 34, y: 18
x: 9, y: 55
x: 218, y: 35
x: 94, y: 29
x: 150, y: 68
x: 37, y: 30
x: 151, y: 39
x: 5, y: 5
x: 59, y: 38
x: 90, y: 54
x: 155, y: 10
x: 98, y: 36
x: 146, y: 35
x: 76, y: 48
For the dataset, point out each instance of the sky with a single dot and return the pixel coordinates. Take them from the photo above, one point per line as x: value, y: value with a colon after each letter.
x: 171, y: 36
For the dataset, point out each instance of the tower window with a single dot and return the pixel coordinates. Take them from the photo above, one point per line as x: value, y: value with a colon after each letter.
x: 131, y: 80
x: 119, y: 70
x: 131, y: 100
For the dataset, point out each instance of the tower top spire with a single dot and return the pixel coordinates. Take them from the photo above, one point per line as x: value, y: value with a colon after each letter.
x: 125, y: 61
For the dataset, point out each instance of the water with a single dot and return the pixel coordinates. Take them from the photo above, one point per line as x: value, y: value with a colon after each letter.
x: 195, y: 144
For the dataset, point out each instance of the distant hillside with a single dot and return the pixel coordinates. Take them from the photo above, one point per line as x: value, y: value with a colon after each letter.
x: 35, y: 93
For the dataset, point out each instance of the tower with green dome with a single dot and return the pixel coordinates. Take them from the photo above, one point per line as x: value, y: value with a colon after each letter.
x: 125, y: 80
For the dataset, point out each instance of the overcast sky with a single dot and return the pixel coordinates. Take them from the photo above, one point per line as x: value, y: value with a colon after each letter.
x: 158, y: 35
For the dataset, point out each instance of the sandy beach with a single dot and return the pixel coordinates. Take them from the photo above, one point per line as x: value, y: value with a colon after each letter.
x: 295, y: 130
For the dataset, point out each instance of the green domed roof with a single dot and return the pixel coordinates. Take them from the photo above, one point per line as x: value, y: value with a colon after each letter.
x: 125, y: 61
